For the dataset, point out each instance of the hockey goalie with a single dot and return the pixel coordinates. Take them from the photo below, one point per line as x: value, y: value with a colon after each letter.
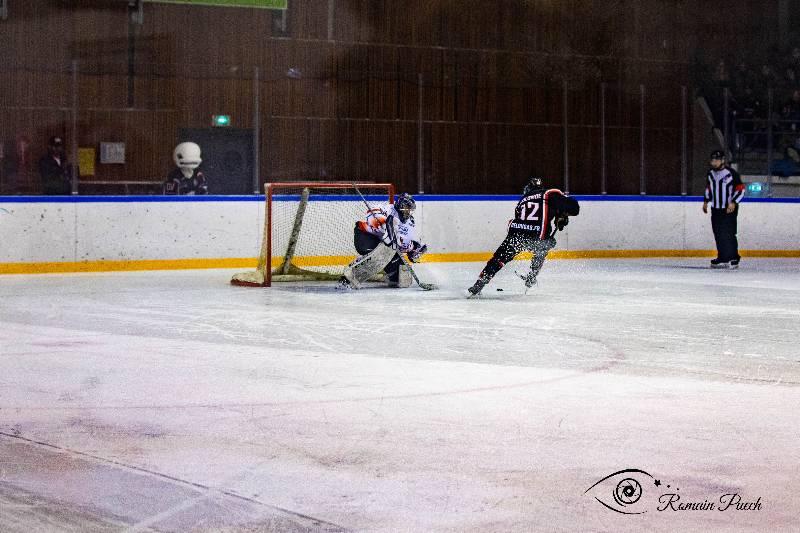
x: 387, y: 232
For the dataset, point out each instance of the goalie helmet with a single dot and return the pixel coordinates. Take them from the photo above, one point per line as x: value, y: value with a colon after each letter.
x: 405, y: 205
x: 534, y: 184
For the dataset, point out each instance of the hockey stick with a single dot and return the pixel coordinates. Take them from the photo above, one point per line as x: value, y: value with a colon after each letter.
x: 422, y: 285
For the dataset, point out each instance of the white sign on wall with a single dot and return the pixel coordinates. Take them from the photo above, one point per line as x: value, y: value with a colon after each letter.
x: 112, y: 153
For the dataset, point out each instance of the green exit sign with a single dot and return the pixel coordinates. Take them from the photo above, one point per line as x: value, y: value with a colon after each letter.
x: 266, y: 4
x: 221, y: 120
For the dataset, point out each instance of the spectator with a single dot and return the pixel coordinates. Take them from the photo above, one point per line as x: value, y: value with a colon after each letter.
x: 768, y: 79
x: 791, y: 125
x: 17, y: 165
x: 790, y: 114
x: 742, y: 78
x: 794, y: 102
x: 54, y: 168
x: 787, y: 124
x: 794, y: 59
x: 790, y: 77
x: 721, y: 76
x: 747, y: 108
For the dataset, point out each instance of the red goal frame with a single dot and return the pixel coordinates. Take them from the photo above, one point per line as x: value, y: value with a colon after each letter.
x: 271, y: 189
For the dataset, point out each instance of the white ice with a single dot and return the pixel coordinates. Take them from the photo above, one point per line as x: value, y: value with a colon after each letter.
x: 172, y: 401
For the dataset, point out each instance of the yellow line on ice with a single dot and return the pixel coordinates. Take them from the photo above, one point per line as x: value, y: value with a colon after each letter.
x: 314, y: 261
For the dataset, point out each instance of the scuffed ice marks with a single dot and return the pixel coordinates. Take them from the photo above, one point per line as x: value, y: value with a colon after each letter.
x: 582, y: 314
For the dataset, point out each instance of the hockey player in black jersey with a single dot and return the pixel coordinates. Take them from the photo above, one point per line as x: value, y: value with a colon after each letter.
x: 538, y: 216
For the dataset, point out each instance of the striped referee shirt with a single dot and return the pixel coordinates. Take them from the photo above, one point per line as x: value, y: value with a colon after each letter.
x: 722, y: 187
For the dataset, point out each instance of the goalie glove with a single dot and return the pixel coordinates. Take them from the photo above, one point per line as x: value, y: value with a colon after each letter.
x: 417, y: 251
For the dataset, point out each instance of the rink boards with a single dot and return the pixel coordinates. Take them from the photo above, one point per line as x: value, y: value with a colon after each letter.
x: 106, y: 233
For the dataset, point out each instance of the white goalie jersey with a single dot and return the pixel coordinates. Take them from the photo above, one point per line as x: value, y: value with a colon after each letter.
x: 384, y: 222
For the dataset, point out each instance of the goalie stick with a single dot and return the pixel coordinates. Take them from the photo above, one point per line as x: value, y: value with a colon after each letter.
x: 422, y: 285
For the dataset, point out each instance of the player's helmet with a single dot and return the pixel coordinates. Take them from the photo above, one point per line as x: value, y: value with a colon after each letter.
x: 405, y: 205
x: 534, y: 184
x: 717, y: 154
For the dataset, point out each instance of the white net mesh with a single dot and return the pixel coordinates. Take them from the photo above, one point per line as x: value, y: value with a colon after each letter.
x: 311, y: 235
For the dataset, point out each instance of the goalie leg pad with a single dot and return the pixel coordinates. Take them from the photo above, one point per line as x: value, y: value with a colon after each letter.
x: 404, y: 278
x: 366, y: 266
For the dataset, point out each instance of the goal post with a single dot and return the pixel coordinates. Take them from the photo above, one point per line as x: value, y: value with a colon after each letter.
x: 308, y: 230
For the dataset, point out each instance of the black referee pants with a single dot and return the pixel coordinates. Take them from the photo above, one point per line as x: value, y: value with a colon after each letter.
x: 724, y: 226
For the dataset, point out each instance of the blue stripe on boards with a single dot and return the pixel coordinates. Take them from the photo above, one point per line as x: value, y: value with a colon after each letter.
x: 376, y: 198
x: 128, y: 199
x: 587, y: 197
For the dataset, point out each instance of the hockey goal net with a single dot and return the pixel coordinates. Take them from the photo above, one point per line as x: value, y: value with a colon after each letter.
x: 308, y: 230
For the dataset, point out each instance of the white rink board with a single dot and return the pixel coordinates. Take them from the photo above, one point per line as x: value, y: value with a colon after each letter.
x: 37, y: 232
x: 114, y: 231
x: 478, y: 226
x: 155, y: 228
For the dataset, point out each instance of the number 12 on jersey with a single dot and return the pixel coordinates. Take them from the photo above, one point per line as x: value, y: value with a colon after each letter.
x: 530, y: 211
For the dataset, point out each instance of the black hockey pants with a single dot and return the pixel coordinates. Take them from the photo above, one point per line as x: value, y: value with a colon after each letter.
x: 366, y: 242
x: 724, y: 226
x: 515, y: 243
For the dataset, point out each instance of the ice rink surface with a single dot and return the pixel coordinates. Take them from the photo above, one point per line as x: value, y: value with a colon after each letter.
x: 172, y: 401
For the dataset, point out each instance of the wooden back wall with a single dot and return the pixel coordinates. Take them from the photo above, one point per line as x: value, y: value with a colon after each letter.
x: 469, y: 94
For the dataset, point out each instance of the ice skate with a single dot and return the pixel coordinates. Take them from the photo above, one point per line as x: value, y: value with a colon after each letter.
x: 719, y: 263
x: 476, y: 289
x: 529, y: 279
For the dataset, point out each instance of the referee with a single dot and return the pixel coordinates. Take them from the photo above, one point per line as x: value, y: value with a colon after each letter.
x: 724, y: 191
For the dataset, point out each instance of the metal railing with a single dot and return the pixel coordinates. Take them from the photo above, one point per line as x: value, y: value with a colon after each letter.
x: 763, y: 142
